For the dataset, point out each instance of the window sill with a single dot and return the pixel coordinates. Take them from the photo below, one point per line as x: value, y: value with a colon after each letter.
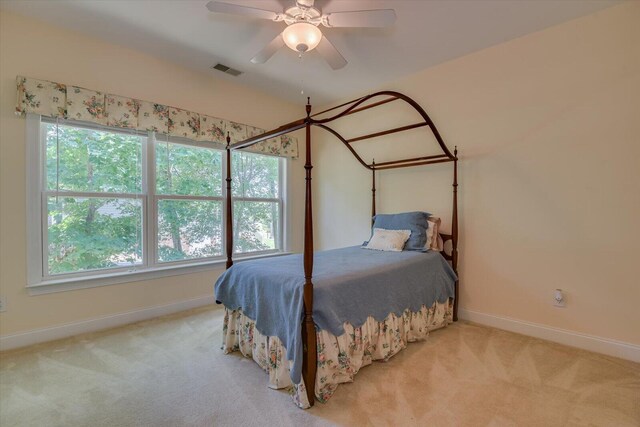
x: 62, y: 285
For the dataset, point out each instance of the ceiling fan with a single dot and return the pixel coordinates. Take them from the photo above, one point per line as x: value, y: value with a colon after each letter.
x: 302, y: 33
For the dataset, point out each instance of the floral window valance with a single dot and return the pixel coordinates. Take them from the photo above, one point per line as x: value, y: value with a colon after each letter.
x: 71, y: 102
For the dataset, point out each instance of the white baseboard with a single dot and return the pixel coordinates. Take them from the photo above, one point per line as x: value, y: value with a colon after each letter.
x: 606, y: 346
x: 35, y: 336
x: 575, y: 339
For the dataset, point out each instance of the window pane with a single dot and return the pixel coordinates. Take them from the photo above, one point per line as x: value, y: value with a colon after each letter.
x: 189, y: 229
x: 187, y: 170
x: 255, y: 175
x: 92, y: 160
x: 93, y: 233
x: 256, y: 226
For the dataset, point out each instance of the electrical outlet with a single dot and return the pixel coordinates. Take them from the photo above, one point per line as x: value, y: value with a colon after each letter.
x: 558, y: 298
x: 3, y: 304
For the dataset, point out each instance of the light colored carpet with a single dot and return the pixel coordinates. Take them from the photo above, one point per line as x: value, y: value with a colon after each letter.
x: 170, y: 372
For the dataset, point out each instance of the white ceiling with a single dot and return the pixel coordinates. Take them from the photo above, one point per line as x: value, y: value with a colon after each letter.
x: 426, y: 33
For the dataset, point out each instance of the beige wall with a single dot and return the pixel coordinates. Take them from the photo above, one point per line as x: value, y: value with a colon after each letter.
x: 35, y: 49
x: 550, y: 175
x: 549, y: 131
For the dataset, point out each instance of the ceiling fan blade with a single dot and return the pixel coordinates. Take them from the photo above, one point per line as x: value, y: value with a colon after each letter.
x: 361, y: 18
x: 268, y: 51
x: 234, y: 9
x: 331, y: 54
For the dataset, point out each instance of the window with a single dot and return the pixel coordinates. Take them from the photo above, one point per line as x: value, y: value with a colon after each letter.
x: 95, y: 219
x: 188, y: 202
x: 111, y: 201
x: 256, y: 202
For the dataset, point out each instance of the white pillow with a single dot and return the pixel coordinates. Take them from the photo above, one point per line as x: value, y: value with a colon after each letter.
x: 388, y: 240
x: 434, y: 241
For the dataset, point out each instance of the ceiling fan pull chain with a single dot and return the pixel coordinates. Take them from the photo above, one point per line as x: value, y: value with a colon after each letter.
x: 57, y: 158
x: 302, y: 70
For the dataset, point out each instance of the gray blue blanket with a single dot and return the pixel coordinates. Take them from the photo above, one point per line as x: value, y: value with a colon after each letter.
x: 350, y: 284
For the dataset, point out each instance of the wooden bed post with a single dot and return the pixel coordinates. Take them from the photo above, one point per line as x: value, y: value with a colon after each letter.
x: 373, y: 191
x: 229, y: 218
x: 308, y: 327
x: 454, y: 232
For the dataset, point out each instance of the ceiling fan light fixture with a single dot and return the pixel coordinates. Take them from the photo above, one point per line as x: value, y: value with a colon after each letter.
x: 302, y: 36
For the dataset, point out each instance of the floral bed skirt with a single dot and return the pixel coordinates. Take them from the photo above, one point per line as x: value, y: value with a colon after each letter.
x: 339, y: 358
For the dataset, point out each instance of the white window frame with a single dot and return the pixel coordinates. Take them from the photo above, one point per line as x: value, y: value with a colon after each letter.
x: 279, y: 200
x: 38, y: 279
x: 152, y: 231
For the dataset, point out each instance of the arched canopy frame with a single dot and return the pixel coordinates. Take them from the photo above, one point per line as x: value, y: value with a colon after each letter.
x: 356, y: 106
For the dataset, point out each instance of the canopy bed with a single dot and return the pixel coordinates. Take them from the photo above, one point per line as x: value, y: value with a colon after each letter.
x: 302, y: 325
